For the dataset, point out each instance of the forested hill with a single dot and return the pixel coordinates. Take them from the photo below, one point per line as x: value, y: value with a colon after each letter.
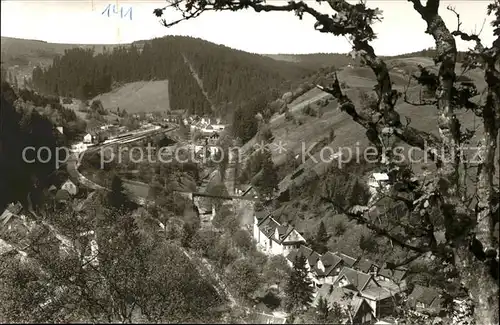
x: 227, y: 75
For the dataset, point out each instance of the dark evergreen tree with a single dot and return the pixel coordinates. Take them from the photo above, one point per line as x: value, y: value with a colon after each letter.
x: 323, y: 310
x: 320, y: 244
x: 117, y: 198
x: 268, y: 180
x: 299, y: 290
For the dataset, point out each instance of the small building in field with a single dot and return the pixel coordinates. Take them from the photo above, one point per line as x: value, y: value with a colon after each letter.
x: 70, y: 187
x: 87, y: 138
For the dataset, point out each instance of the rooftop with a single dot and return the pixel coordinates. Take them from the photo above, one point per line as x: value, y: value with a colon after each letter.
x: 377, y: 293
x: 364, y: 265
x: 348, y: 260
x: 355, y: 278
x: 397, y: 275
x: 425, y: 295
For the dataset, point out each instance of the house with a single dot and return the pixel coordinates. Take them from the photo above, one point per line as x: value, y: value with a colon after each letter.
x: 315, y: 268
x: 6, y: 216
x: 396, y: 275
x: 387, y: 321
x: 69, y: 187
x: 358, y: 308
x: 265, y: 318
x: 361, y: 312
x: 78, y: 147
x: 218, y: 127
x: 425, y: 299
x: 207, y: 130
x: 87, y: 138
x: 14, y: 208
x: 377, y: 181
x: 366, y: 266
x: 274, y: 238
x: 355, y: 280
x: 301, y: 251
x: 382, y: 300
x: 332, y: 264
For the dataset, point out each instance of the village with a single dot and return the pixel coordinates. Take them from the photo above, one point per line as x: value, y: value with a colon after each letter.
x: 368, y: 292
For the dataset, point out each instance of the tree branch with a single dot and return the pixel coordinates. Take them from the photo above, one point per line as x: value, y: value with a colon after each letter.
x: 358, y: 215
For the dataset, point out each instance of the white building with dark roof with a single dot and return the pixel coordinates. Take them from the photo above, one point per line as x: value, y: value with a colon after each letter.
x: 273, y: 238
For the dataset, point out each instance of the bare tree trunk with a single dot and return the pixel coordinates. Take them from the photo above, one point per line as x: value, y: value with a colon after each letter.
x: 483, y: 289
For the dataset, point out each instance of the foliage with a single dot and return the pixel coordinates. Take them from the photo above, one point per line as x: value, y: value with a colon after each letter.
x: 267, y: 179
x: 243, y: 240
x: 137, y: 273
x: 243, y: 276
x: 97, y: 107
x: 309, y: 111
x: 299, y: 288
x: 117, y: 197
x: 226, y: 219
x: 22, y: 129
x: 276, y: 271
x: 320, y: 242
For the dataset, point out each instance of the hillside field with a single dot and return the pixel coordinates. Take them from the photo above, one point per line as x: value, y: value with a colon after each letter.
x: 348, y: 135
x: 140, y: 96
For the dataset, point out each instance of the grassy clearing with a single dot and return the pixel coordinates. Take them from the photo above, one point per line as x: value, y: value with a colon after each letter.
x: 140, y: 96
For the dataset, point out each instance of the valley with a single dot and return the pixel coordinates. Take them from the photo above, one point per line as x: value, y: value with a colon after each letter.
x: 174, y: 180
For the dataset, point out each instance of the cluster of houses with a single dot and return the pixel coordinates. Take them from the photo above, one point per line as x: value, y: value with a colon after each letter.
x: 369, y: 293
x: 205, y: 125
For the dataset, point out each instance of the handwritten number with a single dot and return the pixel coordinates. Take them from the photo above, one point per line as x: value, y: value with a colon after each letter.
x: 107, y: 8
x: 115, y: 11
x: 129, y: 12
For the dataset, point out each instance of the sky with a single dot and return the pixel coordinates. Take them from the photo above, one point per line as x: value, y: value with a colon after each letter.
x: 83, y: 22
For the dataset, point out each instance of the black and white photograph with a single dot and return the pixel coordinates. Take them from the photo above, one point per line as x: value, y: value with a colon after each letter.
x: 250, y: 162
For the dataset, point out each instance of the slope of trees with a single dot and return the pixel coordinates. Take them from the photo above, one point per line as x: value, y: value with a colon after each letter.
x: 21, y: 129
x: 229, y: 76
x: 137, y: 275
